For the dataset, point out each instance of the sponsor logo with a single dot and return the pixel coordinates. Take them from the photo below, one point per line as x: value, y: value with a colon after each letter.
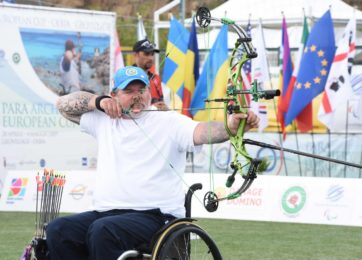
x: 250, y: 198
x: 330, y: 214
x: 78, y: 191
x: 335, y: 193
x: 333, y: 203
x: 17, y: 190
x: 131, y: 72
x: 293, y: 200
x: 42, y: 162
x: 84, y: 161
x: 92, y: 162
x: 16, y: 58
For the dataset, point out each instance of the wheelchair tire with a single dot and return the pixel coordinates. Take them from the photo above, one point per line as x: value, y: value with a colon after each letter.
x: 189, y: 242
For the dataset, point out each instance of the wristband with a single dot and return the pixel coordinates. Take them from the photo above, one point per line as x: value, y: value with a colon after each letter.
x: 98, y: 102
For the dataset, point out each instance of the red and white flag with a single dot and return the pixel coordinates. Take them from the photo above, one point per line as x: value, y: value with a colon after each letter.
x: 338, y: 88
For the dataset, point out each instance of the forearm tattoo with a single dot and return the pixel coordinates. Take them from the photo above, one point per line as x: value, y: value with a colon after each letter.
x: 214, y: 132
x: 72, y: 106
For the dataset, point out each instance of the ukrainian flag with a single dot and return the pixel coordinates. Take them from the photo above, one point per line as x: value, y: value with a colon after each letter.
x: 213, y: 80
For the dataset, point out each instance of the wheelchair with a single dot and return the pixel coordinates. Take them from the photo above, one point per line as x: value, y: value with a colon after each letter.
x: 180, y: 239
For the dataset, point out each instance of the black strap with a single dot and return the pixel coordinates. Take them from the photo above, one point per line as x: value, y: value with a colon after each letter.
x: 98, y: 102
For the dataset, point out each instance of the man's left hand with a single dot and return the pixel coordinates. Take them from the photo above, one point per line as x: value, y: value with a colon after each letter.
x: 252, y: 121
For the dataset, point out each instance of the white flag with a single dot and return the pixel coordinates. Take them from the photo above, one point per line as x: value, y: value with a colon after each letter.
x: 260, y: 73
x: 338, y: 87
x: 259, y: 65
x: 141, y: 32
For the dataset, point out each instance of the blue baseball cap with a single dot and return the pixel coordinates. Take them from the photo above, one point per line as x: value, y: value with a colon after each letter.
x: 126, y: 75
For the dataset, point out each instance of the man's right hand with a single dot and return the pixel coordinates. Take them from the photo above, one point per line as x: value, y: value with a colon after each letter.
x: 112, y: 107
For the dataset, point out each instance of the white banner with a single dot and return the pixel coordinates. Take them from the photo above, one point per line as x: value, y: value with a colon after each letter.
x: 285, y: 199
x: 20, y: 191
x: 32, y: 132
x: 270, y: 198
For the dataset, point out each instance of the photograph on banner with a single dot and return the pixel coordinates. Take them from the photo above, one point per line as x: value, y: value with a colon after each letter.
x: 68, y: 61
x: 35, y: 55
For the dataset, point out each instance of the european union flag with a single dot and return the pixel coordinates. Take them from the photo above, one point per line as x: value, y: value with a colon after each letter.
x: 314, y: 66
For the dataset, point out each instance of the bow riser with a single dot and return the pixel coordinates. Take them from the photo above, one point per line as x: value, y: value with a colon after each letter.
x: 235, y: 102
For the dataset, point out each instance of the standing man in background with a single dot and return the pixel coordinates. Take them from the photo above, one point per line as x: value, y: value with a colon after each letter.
x: 144, y: 58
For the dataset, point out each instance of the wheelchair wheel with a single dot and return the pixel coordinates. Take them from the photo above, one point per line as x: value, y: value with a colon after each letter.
x: 189, y: 242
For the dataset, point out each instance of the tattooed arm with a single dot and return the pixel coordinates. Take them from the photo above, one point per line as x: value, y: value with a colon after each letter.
x: 214, y: 132
x: 72, y: 106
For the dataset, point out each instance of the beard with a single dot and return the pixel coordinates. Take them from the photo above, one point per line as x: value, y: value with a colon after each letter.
x: 137, y: 109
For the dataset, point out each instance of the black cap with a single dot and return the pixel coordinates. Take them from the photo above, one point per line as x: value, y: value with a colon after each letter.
x: 144, y: 45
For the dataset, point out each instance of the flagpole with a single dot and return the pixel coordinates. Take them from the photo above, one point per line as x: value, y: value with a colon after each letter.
x: 360, y: 170
x: 346, y: 139
x: 297, y: 144
x: 313, y: 149
x: 274, y: 104
x: 329, y: 152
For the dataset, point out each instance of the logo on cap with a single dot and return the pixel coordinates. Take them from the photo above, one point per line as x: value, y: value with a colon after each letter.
x: 131, y: 72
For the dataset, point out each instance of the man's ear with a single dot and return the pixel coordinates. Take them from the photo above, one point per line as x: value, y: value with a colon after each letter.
x: 113, y: 94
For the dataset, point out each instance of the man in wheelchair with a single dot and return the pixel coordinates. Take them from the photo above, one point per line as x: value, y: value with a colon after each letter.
x: 141, y: 157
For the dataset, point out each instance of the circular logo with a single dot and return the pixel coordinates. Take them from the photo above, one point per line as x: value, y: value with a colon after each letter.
x: 131, y: 72
x: 16, y: 57
x: 335, y: 193
x: 78, y: 191
x: 293, y: 200
x: 222, y: 157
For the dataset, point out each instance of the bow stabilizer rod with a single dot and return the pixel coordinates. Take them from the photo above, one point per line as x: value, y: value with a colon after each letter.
x: 275, y: 147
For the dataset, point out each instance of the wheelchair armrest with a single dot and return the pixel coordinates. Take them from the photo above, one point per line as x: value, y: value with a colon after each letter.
x: 190, y: 192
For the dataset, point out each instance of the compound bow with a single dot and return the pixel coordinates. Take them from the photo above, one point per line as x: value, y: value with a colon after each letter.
x: 235, y: 102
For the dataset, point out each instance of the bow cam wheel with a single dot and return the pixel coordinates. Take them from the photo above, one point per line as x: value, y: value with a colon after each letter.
x: 211, y: 202
x: 203, y: 17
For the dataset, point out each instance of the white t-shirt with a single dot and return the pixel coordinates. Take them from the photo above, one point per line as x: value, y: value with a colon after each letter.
x: 135, y: 160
